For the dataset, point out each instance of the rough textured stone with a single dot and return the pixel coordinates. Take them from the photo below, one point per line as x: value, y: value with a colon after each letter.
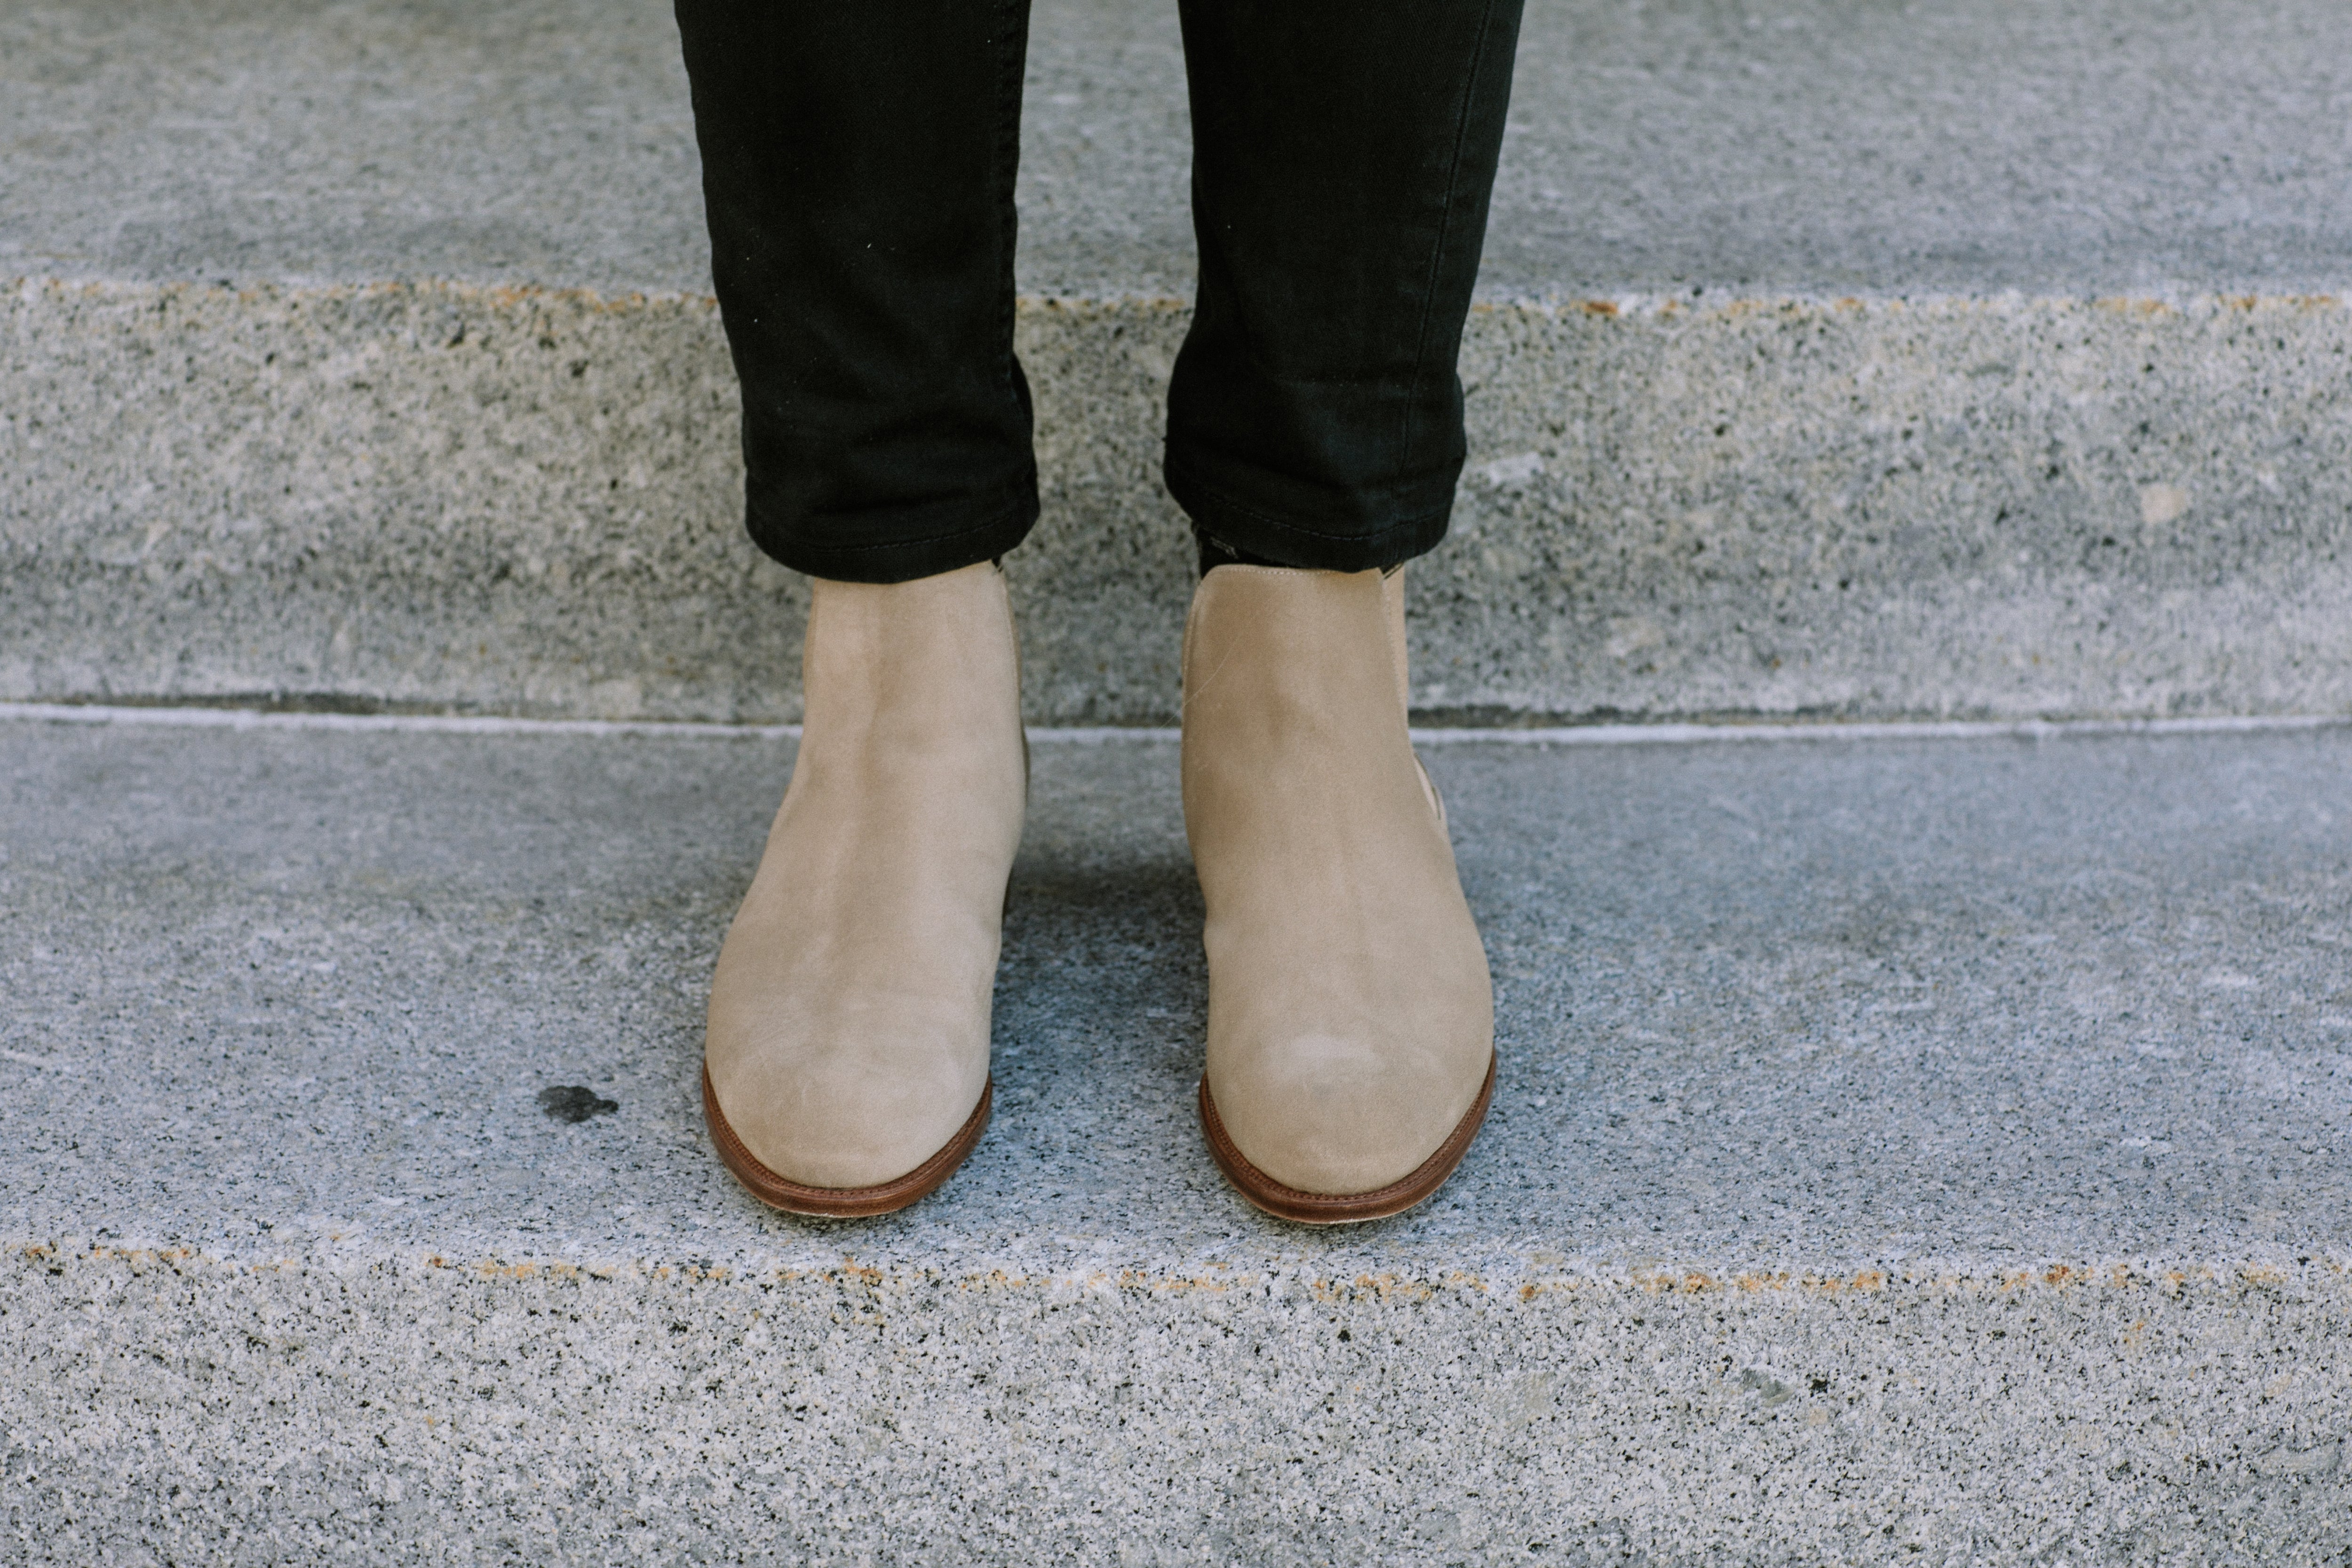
x: 2100, y: 247
x: 1959, y: 507
x: 528, y: 502
x: 1907, y: 1152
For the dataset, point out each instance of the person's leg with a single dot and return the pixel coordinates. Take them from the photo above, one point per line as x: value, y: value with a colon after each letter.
x: 858, y: 163
x: 1343, y: 153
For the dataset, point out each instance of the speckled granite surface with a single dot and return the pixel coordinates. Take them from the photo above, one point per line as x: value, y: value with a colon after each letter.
x: 1924, y: 1151
x: 469, y: 500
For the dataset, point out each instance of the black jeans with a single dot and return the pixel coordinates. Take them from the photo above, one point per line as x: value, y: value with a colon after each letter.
x: 858, y: 160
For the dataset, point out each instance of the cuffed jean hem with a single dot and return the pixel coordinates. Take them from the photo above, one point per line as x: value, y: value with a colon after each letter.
x: 904, y: 560
x: 1255, y: 531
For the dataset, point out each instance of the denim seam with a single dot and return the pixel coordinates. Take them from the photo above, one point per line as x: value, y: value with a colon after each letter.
x: 995, y: 520
x: 1226, y: 498
x: 1012, y: 68
x: 1445, y: 225
x: 1175, y: 462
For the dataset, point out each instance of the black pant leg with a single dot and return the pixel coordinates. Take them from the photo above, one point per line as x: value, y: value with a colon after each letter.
x: 859, y: 162
x: 1343, y: 155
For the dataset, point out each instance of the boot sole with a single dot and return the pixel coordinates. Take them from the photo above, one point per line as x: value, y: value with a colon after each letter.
x: 1342, y: 1208
x: 842, y: 1202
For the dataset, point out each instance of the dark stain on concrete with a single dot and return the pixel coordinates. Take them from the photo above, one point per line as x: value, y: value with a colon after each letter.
x: 573, y: 1103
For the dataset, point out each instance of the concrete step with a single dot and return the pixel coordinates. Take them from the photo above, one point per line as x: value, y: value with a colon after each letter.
x: 1833, y: 360
x: 1928, y: 1151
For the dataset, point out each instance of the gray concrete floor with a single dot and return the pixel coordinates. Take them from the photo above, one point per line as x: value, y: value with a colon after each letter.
x: 1803, y: 146
x: 1791, y: 1006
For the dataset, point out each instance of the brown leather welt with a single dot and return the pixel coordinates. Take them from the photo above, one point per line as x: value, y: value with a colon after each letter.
x: 842, y: 1202
x: 1342, y: 1208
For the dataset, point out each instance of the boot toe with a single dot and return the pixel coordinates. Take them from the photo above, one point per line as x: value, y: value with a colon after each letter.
x: 1330, y: 1115
x: 851, y: 1117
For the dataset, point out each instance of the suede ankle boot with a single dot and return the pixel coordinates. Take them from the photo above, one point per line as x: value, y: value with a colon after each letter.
x: 846, y: 1068
x: 1351, y: 1019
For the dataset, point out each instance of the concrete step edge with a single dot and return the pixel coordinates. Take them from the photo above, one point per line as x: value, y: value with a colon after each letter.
x: 200, y: 717
x: 527, y: 502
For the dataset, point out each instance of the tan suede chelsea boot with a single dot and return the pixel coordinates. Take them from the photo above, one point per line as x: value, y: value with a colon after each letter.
x: 846, y: 1068
x: 1351, y: 1019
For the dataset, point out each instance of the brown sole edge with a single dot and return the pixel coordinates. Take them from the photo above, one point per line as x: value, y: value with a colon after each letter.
x: 842, y: 1202
x: 1342, y: 1208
